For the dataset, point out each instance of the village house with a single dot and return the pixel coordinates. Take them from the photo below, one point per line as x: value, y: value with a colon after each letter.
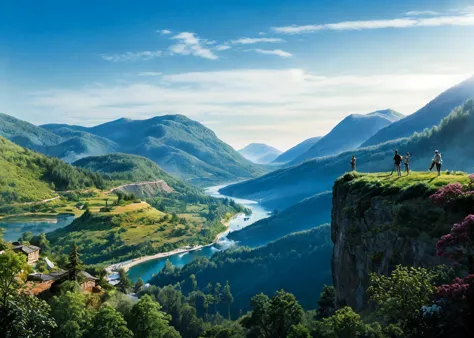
x: 86, y: 280
x: 31, y: 251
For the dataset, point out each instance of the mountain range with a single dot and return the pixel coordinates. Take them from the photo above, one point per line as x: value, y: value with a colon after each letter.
x: 296, y: 151
x: 428, y: 116
x: 349, y: 134
x: 176, y: 143
x: 259, y: 153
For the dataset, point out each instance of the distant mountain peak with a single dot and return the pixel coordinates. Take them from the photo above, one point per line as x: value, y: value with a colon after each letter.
x: 260, y: 153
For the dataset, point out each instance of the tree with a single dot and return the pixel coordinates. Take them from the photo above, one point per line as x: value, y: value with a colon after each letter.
x: 138, y: 285
x: 26, y: 237
x: 26, y: 316
x: 11, y: 265
x: 228, y: 298
x: 125, y: 283
x: 75, y: 264
x: 272, y: 318
x: 298, y: 331
x: 327, y: 302
x: 400, y: 296
x: 217, y: 296
x: 71, y: 315
x: 41, y: 241
x: 194, y: 283
x: 3, y: 245
x: 345, y: 323
x: 109, y: 323
x: 147, y: 321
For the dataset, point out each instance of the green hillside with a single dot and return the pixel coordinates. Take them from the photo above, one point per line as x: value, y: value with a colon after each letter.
x: 26, y: 134
x: 27, y: 176
x: 180, y: 146
x: 119, y: 167
x: 78, y: 144
x: 267, y: 269
x: 282, y: 187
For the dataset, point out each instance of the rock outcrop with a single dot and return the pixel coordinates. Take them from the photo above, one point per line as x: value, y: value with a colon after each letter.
x: 376, y: 226
x: 145, y: 189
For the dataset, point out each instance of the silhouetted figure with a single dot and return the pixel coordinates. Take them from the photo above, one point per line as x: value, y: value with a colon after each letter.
x: 397, y: 159
x: 353, y: 163
x: 407, y: 163
x: 437, y: 161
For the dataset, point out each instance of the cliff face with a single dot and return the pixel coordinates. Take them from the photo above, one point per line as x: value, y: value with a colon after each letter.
x: 145, y: 189
x: 377, y: 225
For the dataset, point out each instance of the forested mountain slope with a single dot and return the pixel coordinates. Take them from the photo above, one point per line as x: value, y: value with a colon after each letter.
x: 28, y: 176
x: 428, y: 116
x: 271, y: 267
x: 179, y: 145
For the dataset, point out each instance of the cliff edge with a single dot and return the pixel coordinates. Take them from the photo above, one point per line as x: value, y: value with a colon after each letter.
x: 380, y: 221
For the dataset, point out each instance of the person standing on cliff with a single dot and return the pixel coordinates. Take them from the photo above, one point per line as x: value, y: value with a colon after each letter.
x: 437, y: 161
x: 353, y: 163
x: 407, y: 163
x: 397, y: 159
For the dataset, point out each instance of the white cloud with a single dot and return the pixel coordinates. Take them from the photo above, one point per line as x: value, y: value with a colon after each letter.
x: 278, y: 52
x: 249, y: 41
x: 421, y: 13
x: 453, y: 20
x: 132, y: 56
x: 262, y: 33
x: 222, y: 47
x: 249, y: 100
x: 164, y: 32
x: 190, y: 44
x: 150, y: 74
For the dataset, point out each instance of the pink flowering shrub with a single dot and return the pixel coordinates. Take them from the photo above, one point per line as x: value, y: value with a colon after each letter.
x: 448, y: 194
x: 458, y: 290
x: 471, y: 182
x: 459, y: 243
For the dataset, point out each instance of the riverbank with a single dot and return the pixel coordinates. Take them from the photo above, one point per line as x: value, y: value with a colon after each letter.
x: 111, y: 269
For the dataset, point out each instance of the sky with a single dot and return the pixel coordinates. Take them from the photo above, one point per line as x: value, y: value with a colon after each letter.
x: 270, y: 71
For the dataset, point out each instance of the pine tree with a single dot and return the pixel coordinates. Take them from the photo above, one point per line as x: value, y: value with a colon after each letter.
x: 228, y: 298
x: 125, y: 283
x: 75, y: 264
x: 194, y: 283
x: 217, y: 296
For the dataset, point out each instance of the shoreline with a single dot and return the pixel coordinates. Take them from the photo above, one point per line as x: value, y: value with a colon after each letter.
x: 127, y: 265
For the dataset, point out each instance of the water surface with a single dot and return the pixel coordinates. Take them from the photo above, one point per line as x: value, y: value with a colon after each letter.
x: 147, y: 269
x: 16, y: 226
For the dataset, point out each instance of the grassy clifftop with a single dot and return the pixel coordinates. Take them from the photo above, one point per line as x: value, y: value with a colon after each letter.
x: 407, y: 198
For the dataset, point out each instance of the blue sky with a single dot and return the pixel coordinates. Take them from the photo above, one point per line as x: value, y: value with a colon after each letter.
x: 273, y: 71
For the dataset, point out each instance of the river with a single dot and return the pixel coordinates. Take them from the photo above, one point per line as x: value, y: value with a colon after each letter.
x: 147, y: 269
x: 16, y: 226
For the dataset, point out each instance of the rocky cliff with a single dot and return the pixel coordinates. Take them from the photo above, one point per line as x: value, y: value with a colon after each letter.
x: 145, y: 189
x: 380, y: 221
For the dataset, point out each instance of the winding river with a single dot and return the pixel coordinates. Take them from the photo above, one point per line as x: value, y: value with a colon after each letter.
x: 146, y: 269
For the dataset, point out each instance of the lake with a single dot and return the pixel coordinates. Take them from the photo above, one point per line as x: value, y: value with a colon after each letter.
x: 16, y: 226
x: 147, y: 269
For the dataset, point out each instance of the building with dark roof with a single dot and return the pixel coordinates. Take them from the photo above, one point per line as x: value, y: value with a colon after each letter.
x: 31, y: 251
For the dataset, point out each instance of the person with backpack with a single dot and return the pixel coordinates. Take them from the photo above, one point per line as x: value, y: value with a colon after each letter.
x: 353, y: 163
x: 398, y: 160
x: 437, y: 160
x: 407, y: 163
